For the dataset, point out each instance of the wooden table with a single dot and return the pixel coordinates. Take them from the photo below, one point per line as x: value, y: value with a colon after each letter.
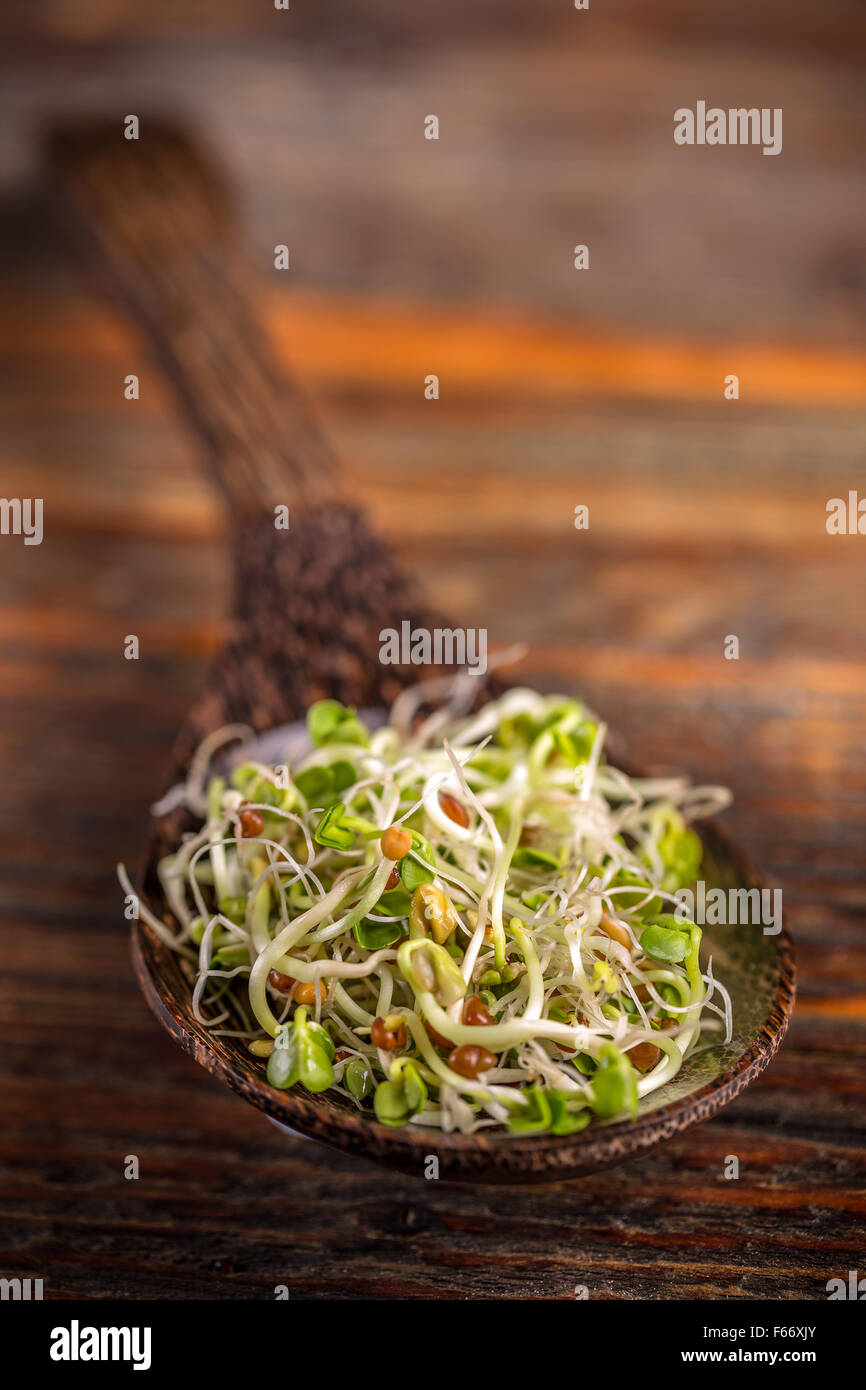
x: 707, y: 519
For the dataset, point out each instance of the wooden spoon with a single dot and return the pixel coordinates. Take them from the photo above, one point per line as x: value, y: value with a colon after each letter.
x: 309, y: 605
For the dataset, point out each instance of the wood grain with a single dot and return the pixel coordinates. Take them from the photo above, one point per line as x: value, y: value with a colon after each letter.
x: 703, y: 522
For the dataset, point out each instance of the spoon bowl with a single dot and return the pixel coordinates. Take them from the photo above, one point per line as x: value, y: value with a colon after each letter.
x: 757, y: 969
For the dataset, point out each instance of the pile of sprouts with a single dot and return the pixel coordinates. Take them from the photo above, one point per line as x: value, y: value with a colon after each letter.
x: 452, y: 920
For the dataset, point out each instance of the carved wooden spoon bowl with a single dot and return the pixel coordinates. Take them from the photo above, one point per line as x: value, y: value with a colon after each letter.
x: 756, y: 969
x: 310, y: 602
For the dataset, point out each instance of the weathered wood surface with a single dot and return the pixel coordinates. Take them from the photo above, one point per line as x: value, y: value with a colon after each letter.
x: 707, y: 518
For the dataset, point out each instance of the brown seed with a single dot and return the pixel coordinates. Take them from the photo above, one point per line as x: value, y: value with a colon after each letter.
x: 389, y: 1040
x: 668, y: 1023
x: 252, y: 822
x: 476, y: 1013
x: 644, y: 1056
x: 393, y: 879
x: 470, y: 1061
x: 396, y: 842
x: 284, y: 983
x: 454, y: 809
x: 615, y: 931
x: 305, y: 993
x: 341, y: 1055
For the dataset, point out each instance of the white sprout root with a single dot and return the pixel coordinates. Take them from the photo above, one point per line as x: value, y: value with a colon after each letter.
x: 553, y: 866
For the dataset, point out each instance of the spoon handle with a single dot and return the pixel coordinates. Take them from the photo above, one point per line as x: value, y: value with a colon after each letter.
x: 157, y: 215
x: 310, y: 600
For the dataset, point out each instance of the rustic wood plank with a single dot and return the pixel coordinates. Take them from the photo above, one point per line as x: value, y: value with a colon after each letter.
x: 355, y: 343
x: 609, y: 394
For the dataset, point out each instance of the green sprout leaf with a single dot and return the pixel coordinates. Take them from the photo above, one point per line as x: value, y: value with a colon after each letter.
x: 412, y: 873
x: 244, y: 775
x: 392, y: 1107
x: 664, y: 943
x: 527, y: 857
x: 316, y: 784
x: 614, y: 1083
x: 235, y: 909
x: 535, y: 1115
x: 397, y: 903
x: 323, y: 718
x: 343, y: 775
x: 681, y: 852
x: 283, y: 1063
x: 302, y: 1052
x: 328, y: 721
x: 576, y: 745
x: 563, y: 1120
x: 323, y: 1038
x: 396, y: 1101
x: 584, y: 1062
x: 358, y: 1078
x: 373, y: 935
x: 331, y: 832
x: 604, y: 978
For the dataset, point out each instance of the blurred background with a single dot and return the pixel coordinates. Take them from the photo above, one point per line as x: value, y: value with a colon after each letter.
x: 559, y: 387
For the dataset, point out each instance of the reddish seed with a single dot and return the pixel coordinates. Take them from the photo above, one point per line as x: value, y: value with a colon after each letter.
x: 341, y: 1055
x: 283, y: 983
x: 393, y: 879
x: 644, y: 1055
x: 396, y: 842
x: 305, y: 993
x: 383, y: 1037
x: 616, y: 931
x: 454, y: 809
x: 470, y: 1061
x: 476, y: 1013
x: 252, y: 822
